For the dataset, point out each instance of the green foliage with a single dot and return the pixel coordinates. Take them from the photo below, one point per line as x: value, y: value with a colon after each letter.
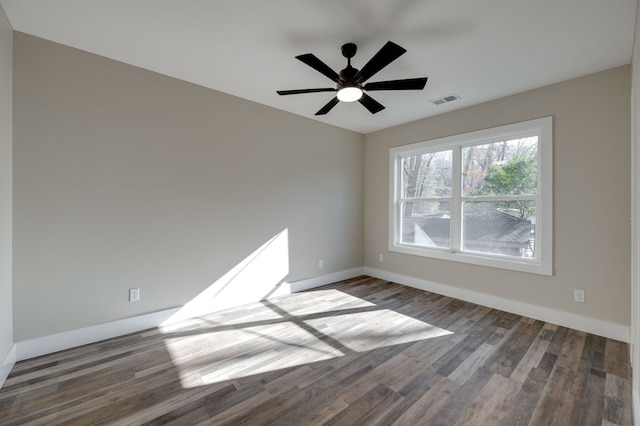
x: 518, y: 176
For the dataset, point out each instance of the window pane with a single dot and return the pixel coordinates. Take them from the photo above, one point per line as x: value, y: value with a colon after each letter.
x: 501, y: 227
x: 502, y: 168
x: 426, y: 223
x: 426, y: 175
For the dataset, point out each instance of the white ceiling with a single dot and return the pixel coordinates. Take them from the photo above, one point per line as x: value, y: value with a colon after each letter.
x: 477, y: 49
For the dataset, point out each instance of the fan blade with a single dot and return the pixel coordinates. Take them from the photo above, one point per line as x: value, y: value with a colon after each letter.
x: 325, y: 109
x: 315, y: 63
x: 371, y: 104
x: 299, y: 91
x: 389, y: 53
x: 406, y: 84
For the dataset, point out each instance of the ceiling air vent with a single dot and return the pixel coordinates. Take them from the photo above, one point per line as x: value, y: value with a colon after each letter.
x: 445, y: 99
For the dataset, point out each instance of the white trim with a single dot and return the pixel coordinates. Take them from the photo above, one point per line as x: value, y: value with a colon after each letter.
x: 6, y: 364
x: 82, y: 336
x: 577, y: 322
x: 95, y: 333
x: 543, y: 263
x: 322, y: 280
x: 635, y: 222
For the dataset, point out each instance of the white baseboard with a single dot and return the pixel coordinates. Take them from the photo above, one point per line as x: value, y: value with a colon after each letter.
x: 6, y: 364
x: 310, y: 283
x: 95, y: 333
x: 565, y: 319
x: 73, y: 338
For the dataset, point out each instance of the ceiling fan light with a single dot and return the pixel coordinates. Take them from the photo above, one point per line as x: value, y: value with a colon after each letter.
x: 349, y: 93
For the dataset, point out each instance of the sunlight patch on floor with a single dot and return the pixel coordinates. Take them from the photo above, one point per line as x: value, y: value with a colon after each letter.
x: 300, y: 329
x: 361, y: 332
x: 231, y: 354
x: 233, y: 329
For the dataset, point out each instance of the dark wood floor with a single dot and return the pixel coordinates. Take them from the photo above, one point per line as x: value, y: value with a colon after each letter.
x: 359, y: 352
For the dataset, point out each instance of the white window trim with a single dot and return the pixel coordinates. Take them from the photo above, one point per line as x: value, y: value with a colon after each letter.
x: 543, y: 264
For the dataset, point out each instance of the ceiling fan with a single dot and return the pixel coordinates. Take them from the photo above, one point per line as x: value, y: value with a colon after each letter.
x: 351, y: 81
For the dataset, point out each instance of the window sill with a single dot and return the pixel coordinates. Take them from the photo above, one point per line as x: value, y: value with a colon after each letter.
x: 524, y: 265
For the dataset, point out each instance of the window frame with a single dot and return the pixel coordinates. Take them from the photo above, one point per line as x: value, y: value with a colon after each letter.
x: 543, y: 262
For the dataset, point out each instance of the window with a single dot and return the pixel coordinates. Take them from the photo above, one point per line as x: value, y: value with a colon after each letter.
x: 482, y: 197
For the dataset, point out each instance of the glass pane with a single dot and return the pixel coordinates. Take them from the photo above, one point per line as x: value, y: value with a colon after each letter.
x: 501, y: 227
x: 501, y: 168
x: 426, y: 223
x: 426, y: 175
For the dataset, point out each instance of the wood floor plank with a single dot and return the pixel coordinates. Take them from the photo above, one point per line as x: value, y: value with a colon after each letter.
x: 471, y: 364
x: 591, y: 404
x: 526, y: 400
x: 180, y: 406
x: 367, y: 409
x: 362, y: 351
x: 429, y: 404
x: 571, y: 351
x: 560, y: 396
x: 450, y: 412
x: 616, y: 399
x: 511, y: 351
x: 616, y: 359
x: 324, y: 415
x: 411, y: 393
x: 534, y: 353
x: 492, y: 403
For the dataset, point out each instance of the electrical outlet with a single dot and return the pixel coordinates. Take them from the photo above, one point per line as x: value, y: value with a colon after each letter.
x: 381, y: 258
x: 134, y: 294
x: 321, y: 263
x: 579, y: 296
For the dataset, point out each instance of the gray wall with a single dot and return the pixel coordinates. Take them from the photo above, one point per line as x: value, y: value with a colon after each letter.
x: 591, y: 197
x: 126, y: 178
x: 6, y: 306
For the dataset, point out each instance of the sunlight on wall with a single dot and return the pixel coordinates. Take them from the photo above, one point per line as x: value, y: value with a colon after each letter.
x: 257, y: 276
x: 282, y: 333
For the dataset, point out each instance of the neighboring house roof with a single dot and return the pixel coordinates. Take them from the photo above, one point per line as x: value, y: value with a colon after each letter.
x: 505, y: 231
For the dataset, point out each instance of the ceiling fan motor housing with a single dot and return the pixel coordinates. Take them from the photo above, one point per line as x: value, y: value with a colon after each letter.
x: 347, y: 75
